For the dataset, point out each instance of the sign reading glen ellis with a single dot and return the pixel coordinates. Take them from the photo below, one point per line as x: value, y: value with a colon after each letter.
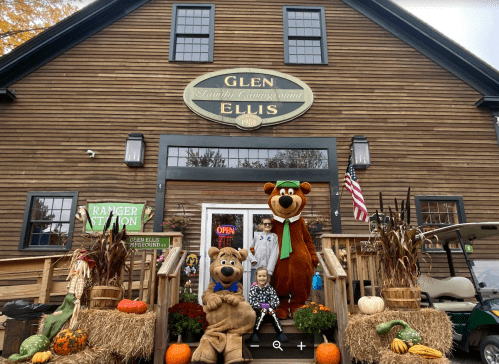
x: 248, y: 97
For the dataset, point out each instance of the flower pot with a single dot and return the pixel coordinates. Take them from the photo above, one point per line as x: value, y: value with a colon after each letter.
x: 315, y: 228
x: 403, y: 298
x: 105, y: 297
x: 318, y: 338
x: 178, y: 228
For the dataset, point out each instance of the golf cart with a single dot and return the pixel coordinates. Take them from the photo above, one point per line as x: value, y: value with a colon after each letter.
x: 472, y: 305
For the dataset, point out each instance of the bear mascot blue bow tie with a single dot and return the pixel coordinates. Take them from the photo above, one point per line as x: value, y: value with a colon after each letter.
x: 219, y: 287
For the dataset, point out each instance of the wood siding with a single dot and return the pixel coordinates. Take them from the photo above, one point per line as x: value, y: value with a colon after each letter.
x: 421, y: 122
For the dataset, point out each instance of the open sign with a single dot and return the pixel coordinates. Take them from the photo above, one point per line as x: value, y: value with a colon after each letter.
x: 226, y: 230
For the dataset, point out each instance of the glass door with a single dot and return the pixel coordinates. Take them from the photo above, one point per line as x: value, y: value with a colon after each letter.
x: 228, y: 226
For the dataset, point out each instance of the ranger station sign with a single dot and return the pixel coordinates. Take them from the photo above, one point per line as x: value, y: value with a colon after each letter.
x: 248, y: 97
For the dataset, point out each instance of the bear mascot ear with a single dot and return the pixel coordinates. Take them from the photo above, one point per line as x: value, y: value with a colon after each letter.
x: 243, y: 254
x: 213, y: 252
x: 269, y: 187
x: 305, y: 188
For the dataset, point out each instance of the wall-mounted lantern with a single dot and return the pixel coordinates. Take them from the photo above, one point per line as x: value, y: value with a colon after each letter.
x: 134, y: 150
x: 361, y: 158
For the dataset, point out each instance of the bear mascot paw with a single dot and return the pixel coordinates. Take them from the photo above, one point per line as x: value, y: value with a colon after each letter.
x: 229, y: 316
x: 294, y: 270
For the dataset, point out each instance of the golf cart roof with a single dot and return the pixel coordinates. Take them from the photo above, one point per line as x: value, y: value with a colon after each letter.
x: 469, y: 231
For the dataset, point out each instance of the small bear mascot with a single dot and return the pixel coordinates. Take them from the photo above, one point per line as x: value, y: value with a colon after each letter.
x: 294, y: 270
x: 229, y: 316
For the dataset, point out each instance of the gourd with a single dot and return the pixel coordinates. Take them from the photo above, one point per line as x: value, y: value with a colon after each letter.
x: 130, y: 306
x: 425, y: 352
x: 371, y: 304
x: 42, y: 357
x: 398, y: 346
x: 327, y: 353
x: 69, y: 342
x: 407, y: 334
x: 178, y: 353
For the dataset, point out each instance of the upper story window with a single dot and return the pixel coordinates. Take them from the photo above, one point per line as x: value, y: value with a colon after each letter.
x: 191, y: 38
x: 247, y: 158
x: 48, y: 221
x: 438, y: 211
x: 304, y: 35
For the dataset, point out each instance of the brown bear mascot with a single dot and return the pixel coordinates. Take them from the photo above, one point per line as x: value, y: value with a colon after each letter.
x: 229, y: 316
x: 294, y: 270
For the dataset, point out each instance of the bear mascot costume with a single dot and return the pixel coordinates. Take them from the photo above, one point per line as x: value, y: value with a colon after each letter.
x: 294, y: 270
x: 229, y: 316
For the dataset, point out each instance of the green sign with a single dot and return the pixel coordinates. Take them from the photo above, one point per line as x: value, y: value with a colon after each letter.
x: 248, y: 98
x: 149, y: 242
x: 469, y: 248
x: 130, y: 214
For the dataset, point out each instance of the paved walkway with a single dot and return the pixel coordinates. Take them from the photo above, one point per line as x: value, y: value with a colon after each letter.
x: 461, y: 357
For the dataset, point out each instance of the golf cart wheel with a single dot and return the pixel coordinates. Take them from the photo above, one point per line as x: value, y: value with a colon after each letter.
x: 489, y: 349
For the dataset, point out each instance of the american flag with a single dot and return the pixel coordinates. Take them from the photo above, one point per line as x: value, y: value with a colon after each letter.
x: 351, y: 184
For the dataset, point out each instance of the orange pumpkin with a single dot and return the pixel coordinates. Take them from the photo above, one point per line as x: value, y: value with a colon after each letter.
x: 70, y: 342
x: 178, y: 353
x: 327, y: 353
x: 130, y: 306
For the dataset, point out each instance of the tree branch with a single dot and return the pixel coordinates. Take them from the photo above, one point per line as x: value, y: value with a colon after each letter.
x: 14, y: 32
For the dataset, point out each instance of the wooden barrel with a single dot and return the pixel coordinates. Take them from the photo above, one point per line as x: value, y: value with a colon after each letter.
x: 404, y: 298
x: 16, y: 331
x: 105, y: 297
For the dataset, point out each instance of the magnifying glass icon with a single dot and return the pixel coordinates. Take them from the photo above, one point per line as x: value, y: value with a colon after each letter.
x: 277, y: 345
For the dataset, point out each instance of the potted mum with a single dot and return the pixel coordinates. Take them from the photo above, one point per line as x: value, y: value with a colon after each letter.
x: 176, y: 223
x: 316, y: 319
x: 187, y: 319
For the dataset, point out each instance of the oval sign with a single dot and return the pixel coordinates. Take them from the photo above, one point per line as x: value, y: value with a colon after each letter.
x: 231, y: 96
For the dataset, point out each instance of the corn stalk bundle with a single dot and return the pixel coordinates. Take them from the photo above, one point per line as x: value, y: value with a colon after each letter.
x: 109, y: 250
x: 398, y: 245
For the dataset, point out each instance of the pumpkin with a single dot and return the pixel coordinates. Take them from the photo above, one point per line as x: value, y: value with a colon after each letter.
x: 130, y: 306
x: 178, y: 353
x: 42, y: 357
x: 371, y: 304
x: 398, y: 346
x: 407, y: 334
x: 425, y: 352
x: 327, y: 353
x: 70, y: 342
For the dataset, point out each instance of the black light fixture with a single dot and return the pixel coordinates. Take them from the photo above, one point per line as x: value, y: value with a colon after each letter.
x: 134, y: 150
x: 361, y: 158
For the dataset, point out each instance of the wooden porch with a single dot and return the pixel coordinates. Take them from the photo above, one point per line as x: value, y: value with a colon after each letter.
x: 356, y: 271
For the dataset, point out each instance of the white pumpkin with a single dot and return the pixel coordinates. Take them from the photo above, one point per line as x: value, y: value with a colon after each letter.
x: 371, y: 304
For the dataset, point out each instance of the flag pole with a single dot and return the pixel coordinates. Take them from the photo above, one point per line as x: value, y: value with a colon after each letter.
x: 337, y: 211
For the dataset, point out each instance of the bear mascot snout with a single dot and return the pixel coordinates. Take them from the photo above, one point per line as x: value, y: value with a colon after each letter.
x: 294, y: 270
x: 229, y: 316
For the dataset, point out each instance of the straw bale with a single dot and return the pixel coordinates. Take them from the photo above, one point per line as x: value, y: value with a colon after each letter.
x: 95, y: 355
x: 124, y: 334
x: 389, y: 357
x: 366, y: 345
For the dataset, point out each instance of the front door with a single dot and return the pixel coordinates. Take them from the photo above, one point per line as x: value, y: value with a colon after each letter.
x: 228, y: 226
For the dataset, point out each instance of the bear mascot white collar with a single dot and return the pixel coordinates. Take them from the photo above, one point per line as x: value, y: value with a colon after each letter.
x: 294, y: 269
x: 229, y: 316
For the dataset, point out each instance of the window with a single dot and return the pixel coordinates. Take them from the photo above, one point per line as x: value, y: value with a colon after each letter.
x: 304, y: 35
x: 192, y: 32
x: 48, y: 221
x: 438, y: 211
x: 247, y: 158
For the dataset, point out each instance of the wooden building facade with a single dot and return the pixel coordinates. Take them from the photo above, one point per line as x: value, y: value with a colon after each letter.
x: 428, y: 108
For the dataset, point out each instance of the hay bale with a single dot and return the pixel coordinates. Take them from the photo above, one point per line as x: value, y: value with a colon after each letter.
x: 88, y: 356
x: 389, y: 357
x: 366, y: 345
x: 123, y: 334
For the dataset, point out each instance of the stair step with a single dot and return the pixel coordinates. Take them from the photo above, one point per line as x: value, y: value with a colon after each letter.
x: 288, y: 327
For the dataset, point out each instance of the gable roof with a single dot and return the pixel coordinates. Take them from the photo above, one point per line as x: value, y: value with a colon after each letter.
x: 96, y: 16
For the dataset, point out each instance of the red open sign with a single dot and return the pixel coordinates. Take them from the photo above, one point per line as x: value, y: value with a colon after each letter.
x: 226, y: 230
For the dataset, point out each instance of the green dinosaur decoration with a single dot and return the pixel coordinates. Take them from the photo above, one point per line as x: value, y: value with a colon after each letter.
x: 30, y: 347
x: 407, y: 334
x: 54, y: 323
